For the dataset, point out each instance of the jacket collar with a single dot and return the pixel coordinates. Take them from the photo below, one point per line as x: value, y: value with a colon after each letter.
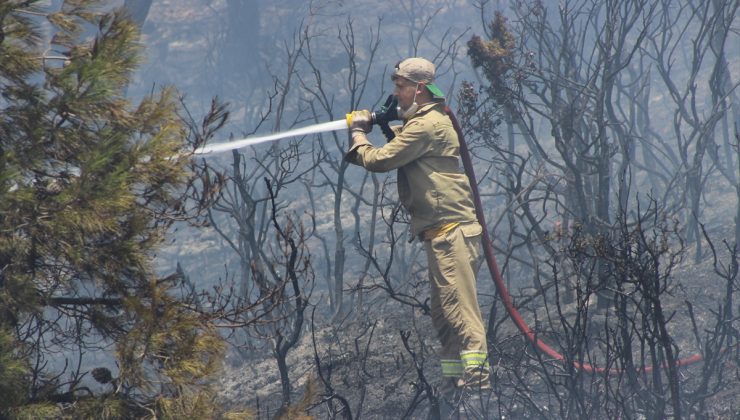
x: 423, y: 109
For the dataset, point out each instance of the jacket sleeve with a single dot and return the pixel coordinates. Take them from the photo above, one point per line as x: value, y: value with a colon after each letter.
x: 359, y: 140
x: 409, y: 144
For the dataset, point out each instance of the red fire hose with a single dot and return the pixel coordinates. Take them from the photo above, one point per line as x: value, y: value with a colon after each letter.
x: 499, y: 281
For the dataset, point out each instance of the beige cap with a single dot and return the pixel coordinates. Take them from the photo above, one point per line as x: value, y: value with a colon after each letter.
x: 418, y: 70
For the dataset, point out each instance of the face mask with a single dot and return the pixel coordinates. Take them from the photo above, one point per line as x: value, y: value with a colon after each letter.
x: 411, y: 110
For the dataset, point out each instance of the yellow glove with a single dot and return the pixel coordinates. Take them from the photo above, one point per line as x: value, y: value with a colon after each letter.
x: 360, y: 121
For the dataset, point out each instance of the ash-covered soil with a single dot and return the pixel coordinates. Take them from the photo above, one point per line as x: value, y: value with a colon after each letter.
x: 365, y: 363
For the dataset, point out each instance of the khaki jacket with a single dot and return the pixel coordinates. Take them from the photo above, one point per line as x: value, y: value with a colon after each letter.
x: 426, y: 153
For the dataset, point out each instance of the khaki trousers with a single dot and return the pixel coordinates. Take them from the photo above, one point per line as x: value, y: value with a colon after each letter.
x: 456, y: 316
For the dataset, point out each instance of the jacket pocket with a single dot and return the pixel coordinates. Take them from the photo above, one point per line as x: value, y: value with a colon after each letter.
x: 470, y: 230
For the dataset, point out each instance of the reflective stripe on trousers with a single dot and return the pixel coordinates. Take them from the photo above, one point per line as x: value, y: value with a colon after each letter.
x: 474, y: 359
x: 452, y: 368
x: 469, y: 360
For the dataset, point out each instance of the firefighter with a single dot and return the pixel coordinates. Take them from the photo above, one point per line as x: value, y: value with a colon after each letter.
x: 426, y: 154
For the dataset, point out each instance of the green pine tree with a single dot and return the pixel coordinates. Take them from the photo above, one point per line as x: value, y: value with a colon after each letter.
x: 88, y: 189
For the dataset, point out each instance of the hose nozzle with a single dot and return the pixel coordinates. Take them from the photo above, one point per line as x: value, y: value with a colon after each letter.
x: 388, y: 112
